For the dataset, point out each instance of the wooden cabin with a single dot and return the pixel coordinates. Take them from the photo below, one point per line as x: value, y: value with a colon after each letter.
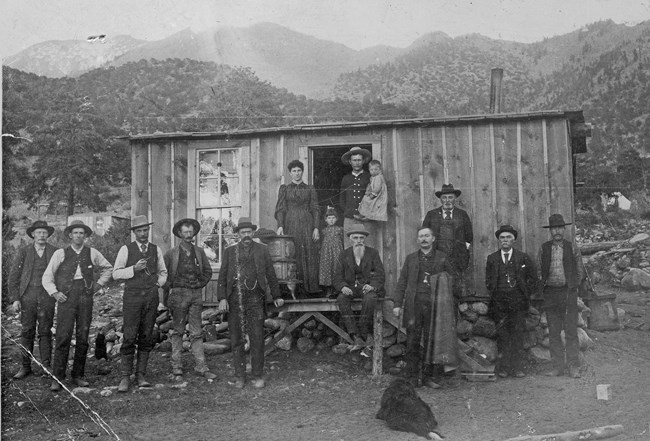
x: 514, y: 168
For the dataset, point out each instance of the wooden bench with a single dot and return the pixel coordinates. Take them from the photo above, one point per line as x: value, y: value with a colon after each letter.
x: 315, y: 308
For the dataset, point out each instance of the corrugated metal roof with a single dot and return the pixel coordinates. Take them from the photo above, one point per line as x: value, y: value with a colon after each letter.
x: 572, y: 115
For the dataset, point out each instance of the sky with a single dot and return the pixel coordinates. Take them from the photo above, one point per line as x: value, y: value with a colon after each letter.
x: 355, y: 23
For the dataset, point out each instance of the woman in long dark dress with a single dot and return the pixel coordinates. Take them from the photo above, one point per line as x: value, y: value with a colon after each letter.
x: 298, y: 215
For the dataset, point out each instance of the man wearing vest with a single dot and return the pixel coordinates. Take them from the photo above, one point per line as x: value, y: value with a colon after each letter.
x: 28, y: 296
x: 510, y: 278
x: 188, y: 272
x: 452, y: 229
x: 246, y: 273
x: 561, y: 271
x: 141, y: 264
x: 69, y: 279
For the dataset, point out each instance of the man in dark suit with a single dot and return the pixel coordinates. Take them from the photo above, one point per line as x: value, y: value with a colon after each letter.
x: 188, y: 271
x: 452, y: 229
x: 416, y: 295
x: 510, y: 278
x: 246, y: 273
x: 30, y: 298
x: 359, y: 273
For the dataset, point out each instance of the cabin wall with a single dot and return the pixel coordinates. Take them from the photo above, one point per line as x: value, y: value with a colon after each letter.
x: 516, y: 172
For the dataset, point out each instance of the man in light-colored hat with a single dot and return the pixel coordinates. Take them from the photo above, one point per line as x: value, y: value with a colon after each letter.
x: 188, y: 271
x: 28, y: 296
x: 561, y: 271
x: 510, y: 278
x: 69, y: 279
x: 359, y: 273
x: 353, y: 188
x: 452, y: 229
x: 142, y: 266
x: 246, y: 273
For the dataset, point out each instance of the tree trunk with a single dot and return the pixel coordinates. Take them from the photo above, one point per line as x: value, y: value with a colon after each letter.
x: 71, y: 200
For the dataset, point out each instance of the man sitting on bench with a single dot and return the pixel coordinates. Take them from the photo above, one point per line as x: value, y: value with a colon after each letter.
x: 359, y: 273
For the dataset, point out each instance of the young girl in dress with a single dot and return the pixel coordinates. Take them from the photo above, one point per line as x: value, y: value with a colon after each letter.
x: 330, y: 249
x: 374, y: 204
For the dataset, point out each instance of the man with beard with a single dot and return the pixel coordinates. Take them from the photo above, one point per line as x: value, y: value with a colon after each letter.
x: 561, y: 270
x: 510, y: 279
x: 69, y: 278
x: 28, y: 296
x: 358, y: 273
x: 246, y: 273
x: 452, y: 229
x: 423, y: 293
x: 189, y: 271
x: 141, y: 265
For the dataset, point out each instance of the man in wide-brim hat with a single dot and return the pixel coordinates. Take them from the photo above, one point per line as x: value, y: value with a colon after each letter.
x: 69, y: 278
x: 353, y: 187
x: 141, y: 265
x: 561, y: 273
x: 188, y: 271
x: 452, y: 229
x: 359, y: 273
x: 510, y: 278
x: 28, y: 296
x: 246, y: 274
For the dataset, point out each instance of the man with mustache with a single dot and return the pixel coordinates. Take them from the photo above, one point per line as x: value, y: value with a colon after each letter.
x: 358, y: 273
x: 246, y: 272
x: 189, y: 271
x: 452, y: 229
x: 424, y: 295
x: 561, y: 271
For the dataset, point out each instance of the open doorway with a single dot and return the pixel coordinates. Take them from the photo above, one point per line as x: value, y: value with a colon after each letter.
x: 327, y: 172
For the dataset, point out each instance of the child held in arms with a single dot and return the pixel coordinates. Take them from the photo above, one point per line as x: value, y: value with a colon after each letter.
x: 331, y: 247
x: 374, y: 204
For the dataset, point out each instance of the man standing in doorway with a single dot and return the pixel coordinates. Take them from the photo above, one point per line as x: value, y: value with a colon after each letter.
x: 452, y: 229
x: 28, y: 296
x: 353, y: 188
x: 561, y: 272
x: 246, y: 273
x: 189, y: 271
x: 141, y: 265
x: 69, y: 279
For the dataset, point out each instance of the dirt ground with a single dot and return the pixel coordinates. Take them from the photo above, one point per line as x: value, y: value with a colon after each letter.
x: 323, y: 396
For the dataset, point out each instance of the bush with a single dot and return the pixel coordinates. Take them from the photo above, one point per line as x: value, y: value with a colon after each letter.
x: 110, y: 243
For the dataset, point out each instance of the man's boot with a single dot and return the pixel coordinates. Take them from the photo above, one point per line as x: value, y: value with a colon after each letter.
x: 126, y: 368
x: 45, y: 350
x: 26, y: 368
x: 141, y: 369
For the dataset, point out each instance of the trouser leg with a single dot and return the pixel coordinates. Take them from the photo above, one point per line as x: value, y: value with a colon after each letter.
x: 46, y: 305
x: 84, y: 318
x: 554, y: 318
x: 347, y: 315
x: 366, y: 316
x: 178, y: 303
x: 256, y: 333
x: 237, y: 341
x: 66, y: 317
x: 414, y: 330
x: 571, y: 330
x: 196, y: 332
x: 28, y: 318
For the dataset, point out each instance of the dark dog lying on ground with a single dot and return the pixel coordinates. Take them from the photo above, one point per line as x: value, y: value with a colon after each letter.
x: 404, y: 410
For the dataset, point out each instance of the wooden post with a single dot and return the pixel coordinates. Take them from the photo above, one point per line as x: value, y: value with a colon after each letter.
x: 496, y: 78
x: 378, y: 350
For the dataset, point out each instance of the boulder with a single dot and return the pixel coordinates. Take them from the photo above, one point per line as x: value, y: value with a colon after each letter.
x: 165, y: 327
x: 387, y: 330
x: 316, y: 334
x: 545, y: 342
x: 464, y: 329
x: 224, y: 341
x: 640, y: 237
x: 401, y: 337
x: 275, y: 324
x: 396, y: 351
x: 543, y: 322
x: 320, y: 346
x: 540, y: 354
x: 484, y: 327
x: 220, y: 327
x: 209, y: 314
x: 306, y: 333
x: 186, y: 345
x: 470, y: 315
x: 165, y: 346
x: 621, y: 314
x: 110, y: 336
x: 214, y: 348
x: 530, y: 339
x: 623, y: 263
x: 480, y: 307
x: 636, y: 279
x: 285, y: 343
x: 485, y: 346
x: 463, y: 307
x: 310, y: 324
x: 305, y: 344
x: 389, y: 341
x: 329, y: 341
x: 532, y: 322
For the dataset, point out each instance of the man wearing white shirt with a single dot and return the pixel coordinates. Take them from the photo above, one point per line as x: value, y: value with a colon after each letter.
x: 142, y: 266
x: 510, y: 279
x: 69, y: 279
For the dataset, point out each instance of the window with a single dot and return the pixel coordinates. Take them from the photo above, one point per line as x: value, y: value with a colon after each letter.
x: 218, y: 199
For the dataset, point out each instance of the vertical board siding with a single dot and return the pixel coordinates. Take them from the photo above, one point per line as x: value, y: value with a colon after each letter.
x: 161, y: 192
x: 270, y: 171
x: 255, y: 180
x: 507, y: 187
x: 483, y: 221
x: 407, y: 189
x: 139, y: 180
x: 180, y: 185
x: 533, y: 182
x: 457, y: 138
x: 390, y: 258
x: 432, y: 166
x: 560, y: 172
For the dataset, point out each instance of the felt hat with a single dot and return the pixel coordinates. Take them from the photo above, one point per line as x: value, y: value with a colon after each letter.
x: 78, y: 224
x: 177, y: 226
x: 244, y: 222
x: 358, y: 229
x: 506, y: 229
x: 39, y: 224
x: 264, y: 233
x: 140, y: 221
x: 447, y: 189
x: 345, y: 159
x: 556, y: 220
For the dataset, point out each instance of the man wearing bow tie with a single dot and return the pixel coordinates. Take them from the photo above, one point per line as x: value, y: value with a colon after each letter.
x: 510, y: 279
x: 452, y: 229
x: 141, y: 265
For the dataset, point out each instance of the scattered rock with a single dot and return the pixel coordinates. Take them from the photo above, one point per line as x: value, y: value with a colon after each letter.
x: 165, y: 327
x: 305, y: 344
x: 530, y: 339
x: 540, y: 354
x: 532, y: 322
x: 329, y: 341
x: 106, y: 393
x: 210, y: 333
x: 464, y: 329
x: 396, y: 351
x: 636, y: 279
x: 387, y: 330
x: 584, y: 341
x: 210, y: 313
x: 389, y: 341
x: 340, y: 349
x: 285, y: 343
x: 214, y: 348
x: 401, y: 337
x: 484, y: 327
x: 480, y: 307
x: 310, y: 324
x: 470, y: 315
x: 640, y: 237
x: 82, y: 390
x: 179, y: 385
x: 306, y: 333
x: 463, y: 307
x: 276, y: 324
x: 484, y: 346
x: 165, y: 346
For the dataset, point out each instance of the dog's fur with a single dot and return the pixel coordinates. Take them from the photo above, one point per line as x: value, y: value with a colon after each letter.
x: 404, y: 410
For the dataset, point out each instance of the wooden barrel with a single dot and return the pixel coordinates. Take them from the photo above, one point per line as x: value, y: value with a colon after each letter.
x: 280, y: 247
x: 286, y: 269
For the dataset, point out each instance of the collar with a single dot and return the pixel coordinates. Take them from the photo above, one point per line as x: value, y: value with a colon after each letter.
x: 357, y: 174
x: 75, y: 250
x: 503, y: 253
x: 40, y: 248
x: 146, y: 244
x: 426, y: 255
